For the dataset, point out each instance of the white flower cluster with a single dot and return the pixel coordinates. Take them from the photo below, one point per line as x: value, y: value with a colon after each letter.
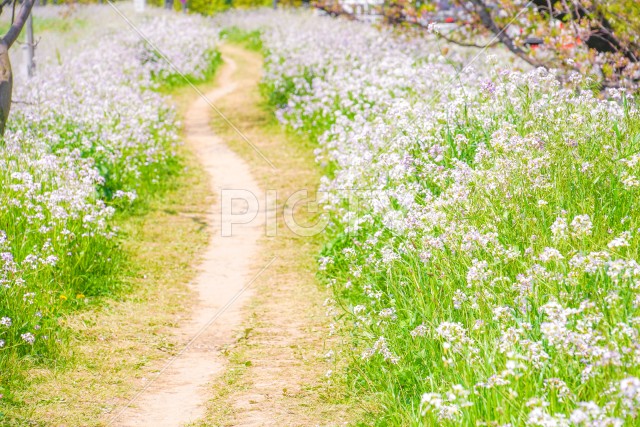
x: 495, y: 211
x: 88, y: 137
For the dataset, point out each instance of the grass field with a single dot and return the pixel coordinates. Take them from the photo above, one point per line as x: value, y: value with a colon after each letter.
x: 92, y: 283
x: 479, y: 266
x: 483, y: 249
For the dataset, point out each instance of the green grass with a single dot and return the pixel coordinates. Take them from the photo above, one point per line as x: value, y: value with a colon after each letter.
x: 251, y: 40
x: 475, y: 269
x: 150, y: 290
x: 421, y: 292
x: 170, y: 82
x: 41, y: 25
x: 97, y: 272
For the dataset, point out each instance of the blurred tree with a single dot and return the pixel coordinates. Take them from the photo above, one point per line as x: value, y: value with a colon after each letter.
x: 210, y: 7
x: 6, y: 74
x: 600, y: 38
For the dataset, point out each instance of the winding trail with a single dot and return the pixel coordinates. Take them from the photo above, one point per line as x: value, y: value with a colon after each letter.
x: 179, y: 393
x: 275, y: 376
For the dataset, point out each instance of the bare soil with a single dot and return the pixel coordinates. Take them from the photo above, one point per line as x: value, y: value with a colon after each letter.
x: 177, y: 395
x: 277, y: 367
x: 261, y: 363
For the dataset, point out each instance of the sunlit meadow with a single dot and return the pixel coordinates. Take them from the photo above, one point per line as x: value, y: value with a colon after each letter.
x: 484, y: 235
x: 484, y: 227
x: 90, y: 137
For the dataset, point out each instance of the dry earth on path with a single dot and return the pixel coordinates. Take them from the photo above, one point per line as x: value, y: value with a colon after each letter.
x: 261, y: 362
x: 176, y: 396
x: 276, y: 375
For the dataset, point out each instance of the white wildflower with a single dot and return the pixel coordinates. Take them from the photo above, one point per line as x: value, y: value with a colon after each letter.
x: 550, y: 254
x: 28, y: 337
x: 581, y: 225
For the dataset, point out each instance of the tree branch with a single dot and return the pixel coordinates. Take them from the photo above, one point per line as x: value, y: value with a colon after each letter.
x: 18, y: 23
x: 338, y: 11
x: 4, y: 3
x: 482, y: 11
x: 467, y: 44
x: 333, y: 10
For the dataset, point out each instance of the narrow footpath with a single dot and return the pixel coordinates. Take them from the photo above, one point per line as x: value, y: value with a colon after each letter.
x: 260, y: 363
x: 178, y: 394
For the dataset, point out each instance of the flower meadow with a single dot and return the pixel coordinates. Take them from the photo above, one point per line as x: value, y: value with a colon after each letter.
x: 89, y: 138
x: 484, y: 226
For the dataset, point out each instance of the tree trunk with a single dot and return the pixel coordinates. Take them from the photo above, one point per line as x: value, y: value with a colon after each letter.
x: 6, y: 76
x: 30, y: 47
x: 482, y: 11
x: 6, y: 86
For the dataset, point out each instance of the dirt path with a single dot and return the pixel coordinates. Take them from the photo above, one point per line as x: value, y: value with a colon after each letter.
x: 178, y: 394
x: 272, y: 373
x: 276, y: 371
